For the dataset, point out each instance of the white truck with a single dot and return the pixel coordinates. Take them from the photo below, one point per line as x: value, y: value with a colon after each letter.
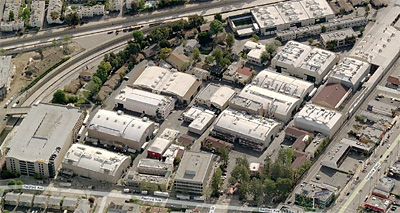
x: 161, y: 194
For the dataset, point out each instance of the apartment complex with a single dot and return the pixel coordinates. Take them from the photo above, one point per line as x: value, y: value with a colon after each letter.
x: 42, y: 140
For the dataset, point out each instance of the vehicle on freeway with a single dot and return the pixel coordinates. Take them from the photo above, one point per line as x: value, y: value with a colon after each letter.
x: 161, y: 194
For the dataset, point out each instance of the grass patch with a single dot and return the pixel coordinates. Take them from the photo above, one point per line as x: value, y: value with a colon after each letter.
x: 30, y: 85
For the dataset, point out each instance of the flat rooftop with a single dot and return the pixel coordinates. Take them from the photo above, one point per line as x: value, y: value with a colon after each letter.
x: 317, y: 60
x: 274, y: 102
x: 350, y: 69
x: 5, y: 68
x: 44, y: 130
x: 256, y: 127
x: 94, y: 159
x: 194, y: 167
x: 218, y: 95
x: 335, y: 155
x: 281, y: 83
x: 129, y: 94
x: 338, y: 34
x: 319, y: 115
x: 293, y: 53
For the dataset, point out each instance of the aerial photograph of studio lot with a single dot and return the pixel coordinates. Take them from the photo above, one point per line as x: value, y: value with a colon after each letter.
x: 199, y: 106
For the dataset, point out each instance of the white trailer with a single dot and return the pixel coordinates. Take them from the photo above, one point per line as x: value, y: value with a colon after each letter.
x: 183, y: 197
x: 161, y: 194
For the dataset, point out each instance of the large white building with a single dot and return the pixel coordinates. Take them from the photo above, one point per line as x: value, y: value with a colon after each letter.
x: 297, y: 13
x: 120, y: 130
x: 215, y: 96
x: 7, y: 69
x: 86, y: 11
x: 349, y: 72
x: 159, y: 80
x: 162, y: 142
x: 95, y: 163
x: 250, y: 131
x: 318, y: 119
x: 284, y: 84
x: 145, y: 102
x: 274, y: 104
x: 200, y: 119
x: 42, y: 139
x: 194, y: 172
x: 37, y: 14
x: 303, y: 61
x: 55, y: 7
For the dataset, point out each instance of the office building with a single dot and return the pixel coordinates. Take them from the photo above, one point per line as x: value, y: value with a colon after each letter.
x: 162, y: 81
x: 200, y: 119
x: 42, y: 139
x: 193, y: 173
x: 117, y: 129
x: 250, y: 131
x: 37, y: 14
x: 144, y: 102
x: 318, y: 119
x: 303, y: 61
x: 95, y: 163
x: 284, y: 84
x: 339, y: 38
x: 336, y: 155
x: 318, y: 194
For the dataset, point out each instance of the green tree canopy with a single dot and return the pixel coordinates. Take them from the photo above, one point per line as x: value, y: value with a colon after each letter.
x: 195, y: 21
x: 216, y: 26
x: 72, y: 19
x: 230, y: 40
x: 59, y: 97
x: 138, y: 36
x: 196, y: 55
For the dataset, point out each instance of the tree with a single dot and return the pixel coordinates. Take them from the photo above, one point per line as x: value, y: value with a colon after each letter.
x: 323, y: 29
x: 216, y: 27
x: 178, y: 25
x: 310, y: 41
x: 177, y: 161
x: 218, y: 54
x: 265, y: 56
x: 72, y: 19
x: 196, y: 55
x: 283, y: 186
x: 204, y: 38
x: 269, y: 188
x: 11, y: 16
x: 209, y: 59
x: 138, y: 36
x: 164, y: 53
x: 243, y: 190
x: 230, y: 40
x: 218, y: 17
x: 224, y: 155
x: 273, y: 46
x: 67, y: 38
x: 11, y: 182
x: 216, y: 181
x: 164, y: 44
x: 362, y: 29
x: 257, y: 190
x: 232, y: 180
x: 26, y: 13
x: 54, y: 15
x: 103, y: 70
x: 195, y: 21
x: 59, y: 97
x: 254, y: 37
x: 92, y: 87
x: 19, y: 183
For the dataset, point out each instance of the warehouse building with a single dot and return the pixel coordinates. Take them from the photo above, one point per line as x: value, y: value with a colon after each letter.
x: 215, y: 96
x: 200, y: 119
x: 153, y: 167
x: 135, y: 100
x: 278, y: 82
x: 250, y: 131
x: 161, y: 143
x: 349, y: 72
x: 285, y: 15
x: 162, y: 81
x: 302, y: 61
x: 274, y: 104
x: 194, y: 172
x: 117, y: 129
x: 318, y: 119
x: 42, y: 140
x: 339, y: 38
x: 95, y: 163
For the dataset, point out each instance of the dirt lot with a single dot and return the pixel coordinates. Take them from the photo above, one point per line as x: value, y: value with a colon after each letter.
x: 29, y: 65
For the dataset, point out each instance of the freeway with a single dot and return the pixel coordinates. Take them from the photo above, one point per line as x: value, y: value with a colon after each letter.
x: 155, y: 201
x: 204, y: 9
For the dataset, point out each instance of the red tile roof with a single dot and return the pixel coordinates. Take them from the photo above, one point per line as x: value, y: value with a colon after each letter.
x: 211, y: 142
x: 186, y: 140
x: 244, y: 71
x: 295, y: 132
x: 299, y: 144
x: 331, y: 94
x: 301, y: 157
x: 393, y: 80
